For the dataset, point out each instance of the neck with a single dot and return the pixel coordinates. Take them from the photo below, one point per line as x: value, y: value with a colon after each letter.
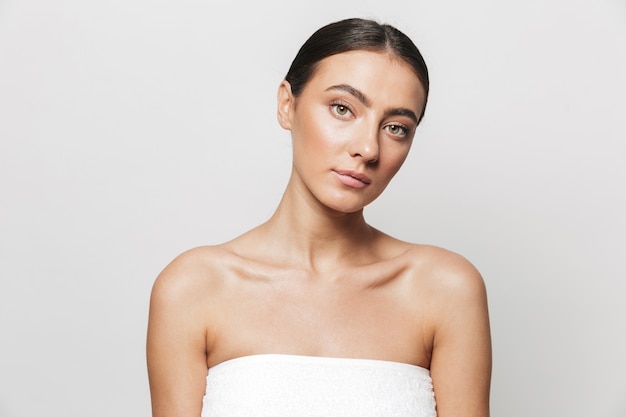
x: 318, y: 237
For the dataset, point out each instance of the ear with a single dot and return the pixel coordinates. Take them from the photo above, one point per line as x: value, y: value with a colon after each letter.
x: 286, y: 102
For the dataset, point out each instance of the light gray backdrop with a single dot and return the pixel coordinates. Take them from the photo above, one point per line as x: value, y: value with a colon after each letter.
x: 132, y: 130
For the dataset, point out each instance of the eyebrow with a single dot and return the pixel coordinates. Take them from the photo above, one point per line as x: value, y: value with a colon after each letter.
x: 352, y: 91
x: 402, y: 112
x: 366, y: 102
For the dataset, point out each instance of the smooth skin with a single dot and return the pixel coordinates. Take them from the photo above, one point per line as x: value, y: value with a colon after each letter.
x: 316, y: 279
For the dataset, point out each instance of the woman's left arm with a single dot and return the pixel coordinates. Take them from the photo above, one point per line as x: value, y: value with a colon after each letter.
x: 461, y: 353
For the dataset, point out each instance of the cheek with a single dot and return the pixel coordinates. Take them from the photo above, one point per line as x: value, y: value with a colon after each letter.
x: 315, y: 133
x: 394, y: 160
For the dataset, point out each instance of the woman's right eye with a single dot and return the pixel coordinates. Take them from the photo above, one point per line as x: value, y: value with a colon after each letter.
x: 340, y: 109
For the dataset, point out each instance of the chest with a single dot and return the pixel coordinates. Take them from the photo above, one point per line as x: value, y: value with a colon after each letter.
x: 334, y: 318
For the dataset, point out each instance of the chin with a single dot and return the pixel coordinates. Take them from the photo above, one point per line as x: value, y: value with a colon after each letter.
x: 346, y: 207
x: 345, y: 200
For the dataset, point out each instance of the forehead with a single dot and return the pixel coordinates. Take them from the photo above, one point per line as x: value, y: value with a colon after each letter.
x: 379, y: 75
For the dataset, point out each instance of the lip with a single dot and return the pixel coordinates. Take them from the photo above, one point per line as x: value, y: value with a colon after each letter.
x: 352, y: 179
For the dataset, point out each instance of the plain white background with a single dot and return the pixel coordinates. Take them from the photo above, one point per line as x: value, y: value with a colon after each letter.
x: 131, y: 130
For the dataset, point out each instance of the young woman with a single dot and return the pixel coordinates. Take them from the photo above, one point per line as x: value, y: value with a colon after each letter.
x: 316, y: 313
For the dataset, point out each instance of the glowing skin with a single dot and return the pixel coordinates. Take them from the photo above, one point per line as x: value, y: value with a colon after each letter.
x: 316, y: 279
x: 352, y: 127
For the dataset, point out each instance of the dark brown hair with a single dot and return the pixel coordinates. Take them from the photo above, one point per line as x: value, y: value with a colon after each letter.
x: 353, y: 35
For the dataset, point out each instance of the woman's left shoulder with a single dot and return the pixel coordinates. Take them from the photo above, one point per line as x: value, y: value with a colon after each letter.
x: 452, y: 300
x: 445, y: 272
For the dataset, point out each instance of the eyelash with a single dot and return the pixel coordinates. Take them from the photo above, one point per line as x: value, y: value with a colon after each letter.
x: 336, y: 104
x: 405, y: 130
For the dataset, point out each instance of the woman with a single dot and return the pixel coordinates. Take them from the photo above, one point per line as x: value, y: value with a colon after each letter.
x: 316, y: 313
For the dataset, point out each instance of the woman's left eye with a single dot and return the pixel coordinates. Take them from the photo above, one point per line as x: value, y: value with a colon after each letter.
x: 397, y: 130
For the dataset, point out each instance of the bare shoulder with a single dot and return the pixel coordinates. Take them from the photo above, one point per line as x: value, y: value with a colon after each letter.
x: 191, y: 274
x: 179, y: 333
x: 446, y: 275
x: 457, y: 330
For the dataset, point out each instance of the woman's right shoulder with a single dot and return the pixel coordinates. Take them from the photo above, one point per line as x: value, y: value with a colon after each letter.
x: 196, y: 271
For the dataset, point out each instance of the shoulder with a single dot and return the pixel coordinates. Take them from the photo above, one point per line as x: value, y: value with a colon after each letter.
x: 191, y: 274
x: 447, y: 277
x: 180, y: 330
x: 433, y: 269
x: 457, y: 330
x: 454, y: 298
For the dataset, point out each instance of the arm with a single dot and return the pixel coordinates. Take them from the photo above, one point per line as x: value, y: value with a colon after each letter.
x: 176, y: 343
x: 461, y: 356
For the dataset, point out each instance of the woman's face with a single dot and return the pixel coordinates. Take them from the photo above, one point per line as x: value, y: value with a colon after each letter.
x: 352, y: 127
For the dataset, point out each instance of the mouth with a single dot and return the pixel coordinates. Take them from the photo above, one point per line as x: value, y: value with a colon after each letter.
x: 352, y: 179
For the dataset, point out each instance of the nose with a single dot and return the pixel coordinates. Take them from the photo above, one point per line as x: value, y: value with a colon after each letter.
x: 365, y: 146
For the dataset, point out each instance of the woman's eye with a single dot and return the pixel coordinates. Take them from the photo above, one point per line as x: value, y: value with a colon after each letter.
x: 340, y: 109
x: 397, y: 130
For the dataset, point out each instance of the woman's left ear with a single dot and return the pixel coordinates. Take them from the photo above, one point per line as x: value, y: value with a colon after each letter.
x: 285, y: 105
